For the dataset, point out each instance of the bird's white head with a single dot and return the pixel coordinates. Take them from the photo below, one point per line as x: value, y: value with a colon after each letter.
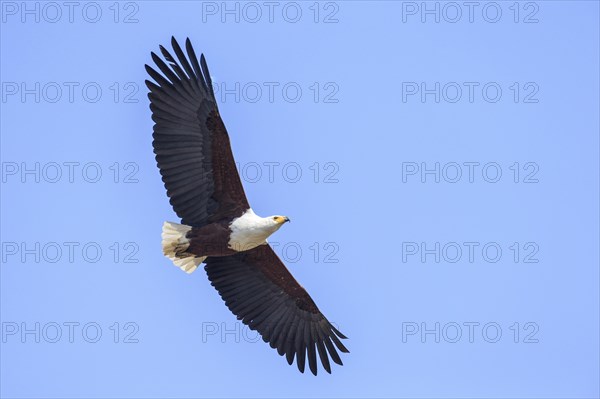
x: 278, y: 220
x: 273, y: 223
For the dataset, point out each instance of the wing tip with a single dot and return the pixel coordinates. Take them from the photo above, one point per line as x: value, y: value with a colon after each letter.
x: 338, y: 333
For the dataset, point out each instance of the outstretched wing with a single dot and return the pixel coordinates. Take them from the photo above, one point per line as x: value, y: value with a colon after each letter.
x: 257, y: 287
x: 191, y: 143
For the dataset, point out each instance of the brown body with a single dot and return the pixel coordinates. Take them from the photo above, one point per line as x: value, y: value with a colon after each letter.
x: 210, y: 240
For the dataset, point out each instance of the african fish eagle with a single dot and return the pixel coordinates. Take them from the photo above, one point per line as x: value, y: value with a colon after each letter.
x: 218, y: 227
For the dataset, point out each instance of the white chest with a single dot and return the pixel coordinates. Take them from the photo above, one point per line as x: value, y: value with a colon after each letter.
x: 249, y: 231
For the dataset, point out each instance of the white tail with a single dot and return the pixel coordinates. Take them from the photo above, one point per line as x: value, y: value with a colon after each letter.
x: 174, y: 242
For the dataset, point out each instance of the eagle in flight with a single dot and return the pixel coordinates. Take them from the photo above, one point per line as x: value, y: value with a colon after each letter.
x: 218, y: 226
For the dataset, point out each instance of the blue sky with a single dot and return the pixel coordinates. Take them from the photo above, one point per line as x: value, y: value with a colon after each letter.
x: 439, y: 161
